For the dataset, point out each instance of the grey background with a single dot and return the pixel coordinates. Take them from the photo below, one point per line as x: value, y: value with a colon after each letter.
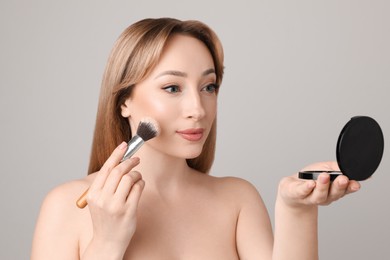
x: 296, y: 71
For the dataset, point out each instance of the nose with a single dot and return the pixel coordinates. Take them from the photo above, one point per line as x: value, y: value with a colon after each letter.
x: 193, y: 105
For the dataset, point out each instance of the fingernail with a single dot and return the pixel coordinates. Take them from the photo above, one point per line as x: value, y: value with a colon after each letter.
x: 122, y: 146
x: 343, y: 181
x: 323, y: 179
x: 355, y: 188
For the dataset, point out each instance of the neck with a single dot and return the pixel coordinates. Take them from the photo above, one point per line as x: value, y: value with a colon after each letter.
x: 162, y: 173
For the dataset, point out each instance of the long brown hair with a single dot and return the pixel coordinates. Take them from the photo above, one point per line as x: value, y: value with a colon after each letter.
x: 134, y: 55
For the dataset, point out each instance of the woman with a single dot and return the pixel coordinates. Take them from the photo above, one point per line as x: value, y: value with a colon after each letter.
x: 162, y: 203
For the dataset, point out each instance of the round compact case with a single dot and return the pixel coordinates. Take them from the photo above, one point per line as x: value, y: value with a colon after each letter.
x: 359, y: 150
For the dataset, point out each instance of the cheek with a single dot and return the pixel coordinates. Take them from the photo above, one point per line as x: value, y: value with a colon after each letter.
x: 211, y: 108
x: 160, y: 110
x: 214, y: 108
x: 155, y: 107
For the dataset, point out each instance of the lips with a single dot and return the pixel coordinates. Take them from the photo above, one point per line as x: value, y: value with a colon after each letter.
x: 193, y: 134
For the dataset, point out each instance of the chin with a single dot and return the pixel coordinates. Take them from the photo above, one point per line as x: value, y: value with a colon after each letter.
x: 193, y: 154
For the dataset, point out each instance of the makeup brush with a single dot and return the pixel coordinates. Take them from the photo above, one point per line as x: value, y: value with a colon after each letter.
x: 147, y: 129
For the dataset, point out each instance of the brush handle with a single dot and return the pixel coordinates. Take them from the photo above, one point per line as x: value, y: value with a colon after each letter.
x: 82, y: 201
x: 132, y: 146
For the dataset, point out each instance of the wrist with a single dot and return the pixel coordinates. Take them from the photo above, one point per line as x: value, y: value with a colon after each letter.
x: 294, y: 207
x: 102, y: 249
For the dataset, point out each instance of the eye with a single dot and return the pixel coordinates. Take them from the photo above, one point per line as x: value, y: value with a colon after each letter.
x: 172, y: 89
x: 211, y: 88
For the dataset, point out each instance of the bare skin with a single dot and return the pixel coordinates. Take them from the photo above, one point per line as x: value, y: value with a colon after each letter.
x: 154, y: 206
x: 196, y: 222
x: 213, y: 218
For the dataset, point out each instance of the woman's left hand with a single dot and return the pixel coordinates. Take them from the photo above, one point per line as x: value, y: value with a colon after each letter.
x: 300, y: 193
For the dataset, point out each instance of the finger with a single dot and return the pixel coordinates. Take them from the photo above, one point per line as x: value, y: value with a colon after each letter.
x: 135, y: 195
x: 320, y: 193
x: 294, y: 188
x: 125, y: 185
x: 111, y: 162
x: 117, y: 173
x: 338, y: 188
x: 304, y: 188
x: 353, y: 186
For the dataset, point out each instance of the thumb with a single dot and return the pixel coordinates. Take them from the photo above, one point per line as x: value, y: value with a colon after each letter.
x: 301, y: 189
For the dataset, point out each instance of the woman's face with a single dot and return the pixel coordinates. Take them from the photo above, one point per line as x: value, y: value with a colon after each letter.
x: 180, y: 94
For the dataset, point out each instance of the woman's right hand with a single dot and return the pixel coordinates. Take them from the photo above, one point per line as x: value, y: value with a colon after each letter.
x: 113, y: 200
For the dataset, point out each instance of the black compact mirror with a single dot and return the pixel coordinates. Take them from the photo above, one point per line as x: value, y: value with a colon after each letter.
x: 359, y: 150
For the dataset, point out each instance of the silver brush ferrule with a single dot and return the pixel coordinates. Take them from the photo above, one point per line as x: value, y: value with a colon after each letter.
x: 132, y: 146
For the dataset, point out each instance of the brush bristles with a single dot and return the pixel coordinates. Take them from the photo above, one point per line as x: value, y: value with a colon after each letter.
x: 147, y: 129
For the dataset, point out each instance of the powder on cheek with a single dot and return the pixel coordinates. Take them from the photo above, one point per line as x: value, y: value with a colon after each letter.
x: 164, y: 113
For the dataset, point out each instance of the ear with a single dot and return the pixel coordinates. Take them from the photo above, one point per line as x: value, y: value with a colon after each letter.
x: 125, y: 108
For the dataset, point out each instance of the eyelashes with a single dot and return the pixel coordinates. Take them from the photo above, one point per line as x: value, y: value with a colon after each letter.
x: 174, y: 88
x: 211, y: 88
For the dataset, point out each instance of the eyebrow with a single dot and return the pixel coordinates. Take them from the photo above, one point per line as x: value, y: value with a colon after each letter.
x: 209, y: 71
x: 183, y: 74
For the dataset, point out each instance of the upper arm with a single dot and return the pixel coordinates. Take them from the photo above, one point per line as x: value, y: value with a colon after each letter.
x: 57, y: 229
x: 254, y: 236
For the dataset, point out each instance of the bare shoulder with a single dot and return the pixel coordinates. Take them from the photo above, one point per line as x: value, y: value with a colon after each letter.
x: 233, y: 188
x: 60, y: 203
x: 65, y: 195
x: 233, y: 184
x: 60, y: 215
x: 253, y: 222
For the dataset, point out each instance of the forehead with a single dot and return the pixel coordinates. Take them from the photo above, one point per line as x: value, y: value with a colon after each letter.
x: 184, y: 53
